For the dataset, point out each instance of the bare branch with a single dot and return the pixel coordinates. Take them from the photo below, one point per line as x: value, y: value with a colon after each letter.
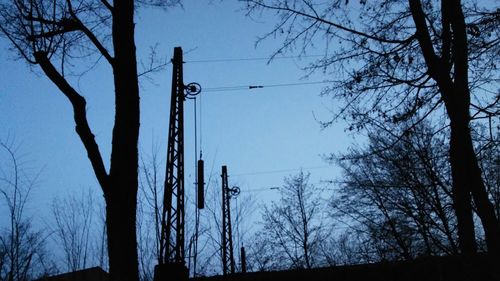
x: 82, y: 127
x: 90, y: 35
x: 319, y: 19
x: 107, y: 5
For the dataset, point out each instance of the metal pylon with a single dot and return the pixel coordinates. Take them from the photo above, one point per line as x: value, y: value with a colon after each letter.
x: 227, y: 237
x: 171, y: 263
x: 172, y: 239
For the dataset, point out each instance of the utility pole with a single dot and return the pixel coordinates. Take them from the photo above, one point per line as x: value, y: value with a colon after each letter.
x: 171, y: 263
x: 227, y: 237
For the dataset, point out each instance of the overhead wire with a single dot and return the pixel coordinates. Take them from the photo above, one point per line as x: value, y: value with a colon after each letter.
x: 261, y: 189
x: 252, y: 87
x: 321, y: 182
x: 281, y: 171
x: 250, y: 59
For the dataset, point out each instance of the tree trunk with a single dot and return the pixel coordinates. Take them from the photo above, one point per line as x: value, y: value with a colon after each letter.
x: 465, y: 167
x: 454, y: 88
x: 467, y: 180
x: 122, y: 245
x: 121, y: 184
x: 121, y: 195
x: 461, y: 195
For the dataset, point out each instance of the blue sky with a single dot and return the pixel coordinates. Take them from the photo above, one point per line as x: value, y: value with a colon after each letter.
x: 257, y: 133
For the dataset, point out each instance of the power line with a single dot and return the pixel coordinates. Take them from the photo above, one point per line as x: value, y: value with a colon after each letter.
x: 321, y: 182
x: 280, y: 171
x: 252, y: 87
x: 261, y: 189
x: 250, y: 59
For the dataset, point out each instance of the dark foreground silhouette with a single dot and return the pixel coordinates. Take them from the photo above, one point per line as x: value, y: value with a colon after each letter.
x: 450, y: 268
x: 89, y: 274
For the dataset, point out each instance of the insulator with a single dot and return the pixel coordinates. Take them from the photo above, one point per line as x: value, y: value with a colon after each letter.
x: 201, y: 185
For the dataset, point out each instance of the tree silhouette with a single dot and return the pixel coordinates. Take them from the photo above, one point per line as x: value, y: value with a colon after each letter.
x: 74, y: 230
x: 399, y: 198
x: 22, y: 247
x: 57, y: 35
x: 390, y: 61
x: 293, y: 226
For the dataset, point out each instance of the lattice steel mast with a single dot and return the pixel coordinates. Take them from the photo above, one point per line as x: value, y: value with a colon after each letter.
x: 227, y: 237
x: 171, y: 263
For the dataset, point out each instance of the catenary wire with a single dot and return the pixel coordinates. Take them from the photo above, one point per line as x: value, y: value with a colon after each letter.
x: 280, y: 171
x: 252, y: 87
x: 251, y: 59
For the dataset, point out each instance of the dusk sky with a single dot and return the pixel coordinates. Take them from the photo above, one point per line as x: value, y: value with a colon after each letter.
x: 262, y: 135
x: 405, y: 93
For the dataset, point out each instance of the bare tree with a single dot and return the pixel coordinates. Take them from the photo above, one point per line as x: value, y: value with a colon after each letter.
x: 74, y: 229
x: 487, y: 143
x: 149, y: 212
x: 209, y: 259
x: 394, y: 60
x: 262, y: 256
x: 146, y: 242
x: 347, y: 247
x: 151, y: 186
x: 22, y: 248
x: 400, y: 198
x: 55, y: 35
x: 209, y: 254
x: 293, y: 226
